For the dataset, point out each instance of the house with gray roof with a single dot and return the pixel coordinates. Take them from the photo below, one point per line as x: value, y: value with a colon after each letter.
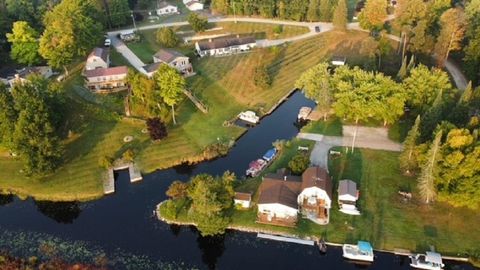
x: 225, y: 46
x: 348, y: 196
x: 172, y: 58
x: 165, y: 8
x: 98, y: 58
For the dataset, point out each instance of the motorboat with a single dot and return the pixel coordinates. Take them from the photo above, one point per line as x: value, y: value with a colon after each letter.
x: 256, y: 167
x: 349, y: 209
x: 270, y: 155
x: 362, y: 251
x: 249, y: 116
x: 322, y: 246
x: 303, y: 113
x: 429, y: 261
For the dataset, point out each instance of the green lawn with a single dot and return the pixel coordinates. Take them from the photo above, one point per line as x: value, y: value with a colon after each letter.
x: 258, y: 30
x: 331, y: 127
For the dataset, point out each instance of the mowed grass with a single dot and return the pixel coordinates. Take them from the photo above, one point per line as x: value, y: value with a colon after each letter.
x: 258, y: 30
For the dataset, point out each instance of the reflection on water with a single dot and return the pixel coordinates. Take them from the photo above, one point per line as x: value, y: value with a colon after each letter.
x: 61, y: 212
x: 212, y: 248
x: 6, y: 199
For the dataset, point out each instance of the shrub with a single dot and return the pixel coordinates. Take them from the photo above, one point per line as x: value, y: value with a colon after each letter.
x: 106, y: 162
x: 128, y: 155
x: 167, y: 37
x: 198, y: 23
x: 177, y: 190
x: 261, y: 78
x: 278, y: 29
x: 156, y: 128
x: 299, y: 163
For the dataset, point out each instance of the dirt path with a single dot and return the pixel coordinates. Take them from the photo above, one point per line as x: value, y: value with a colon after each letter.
x: 367, y: 137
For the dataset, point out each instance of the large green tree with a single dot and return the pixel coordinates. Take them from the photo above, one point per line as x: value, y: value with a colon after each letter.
x: 316, y: 84
x: 408, y: 157
x: 144, y: 97
x: 452, y: 30
x: 170, y: 85
x: 71, y: 30
x: 167, y: 37
x: 24, y: 40
x: 373, y: 15
x: 197, y: 22
x: 472, y: 49
x: 313, y: 14
x: 340, y: 14
x: 119, y: 12
x: 8, y: 117
x: 408, y: 15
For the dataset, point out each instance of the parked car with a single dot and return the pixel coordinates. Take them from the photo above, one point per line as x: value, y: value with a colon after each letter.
x: 108, y: 42
x: 317, y: 29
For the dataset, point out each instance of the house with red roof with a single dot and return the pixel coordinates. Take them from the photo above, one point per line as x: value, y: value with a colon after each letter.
x: 100, y: 77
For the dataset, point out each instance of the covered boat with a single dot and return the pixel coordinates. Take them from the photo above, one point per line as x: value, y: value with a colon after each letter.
x: 363, y: 251
x: 430, y: 261
x: 303, y: 113
x: 270, y: 155
x: 255, y: 167
x: 249, y: 116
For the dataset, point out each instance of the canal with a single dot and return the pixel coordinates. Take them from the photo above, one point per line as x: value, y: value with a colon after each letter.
x: 121, y: 228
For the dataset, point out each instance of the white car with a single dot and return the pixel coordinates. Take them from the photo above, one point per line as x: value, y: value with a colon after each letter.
x: 108, y: 42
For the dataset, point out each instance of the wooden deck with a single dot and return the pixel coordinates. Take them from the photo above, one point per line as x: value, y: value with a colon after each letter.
x: 285, y: 222
x: 109, y: 180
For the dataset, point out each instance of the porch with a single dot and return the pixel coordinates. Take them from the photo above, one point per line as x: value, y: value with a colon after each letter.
x: 315, y: 210
x: 264, y: 218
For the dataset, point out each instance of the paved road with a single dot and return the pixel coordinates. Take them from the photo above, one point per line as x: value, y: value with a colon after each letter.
x: 367, y: 137
x: 457, y: 75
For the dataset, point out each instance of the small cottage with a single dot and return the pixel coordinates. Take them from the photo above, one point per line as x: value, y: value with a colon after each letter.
x: 224, y: 46
x: 22, y: 75
x: 243, y: 199
x: 164, y: 8
x: 98, y: 58
x: 193, y: 5
x: 348, y: 196
x: 174, y: 59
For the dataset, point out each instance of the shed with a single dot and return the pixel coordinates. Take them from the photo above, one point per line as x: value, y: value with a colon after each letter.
x: 243, y: 199
x: 339, y: 60
x: 347, y: 191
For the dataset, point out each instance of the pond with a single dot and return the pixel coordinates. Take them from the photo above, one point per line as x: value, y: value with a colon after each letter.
x: 122, y: 227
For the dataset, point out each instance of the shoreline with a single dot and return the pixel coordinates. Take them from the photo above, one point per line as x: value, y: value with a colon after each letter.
x: 257, y: 230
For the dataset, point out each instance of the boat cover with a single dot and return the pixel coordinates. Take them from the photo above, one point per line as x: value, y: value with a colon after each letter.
x: 433, y: 257
x: 270, y: 154
x: 365, y: 246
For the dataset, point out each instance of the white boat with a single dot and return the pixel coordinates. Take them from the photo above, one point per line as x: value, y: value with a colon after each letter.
x: 249, y: 116
x: 429, y: 261
x: 363, y: 251
x: 303, y: 113
x: 349, y: 209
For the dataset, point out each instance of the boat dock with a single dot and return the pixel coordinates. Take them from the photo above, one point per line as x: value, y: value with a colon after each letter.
x: 286, y: 239
x: 109, y: 180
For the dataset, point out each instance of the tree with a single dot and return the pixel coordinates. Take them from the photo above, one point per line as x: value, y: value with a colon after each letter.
x: 373, y: 14
x: 156, y: 129
x: 167, y: 37
x: 426, y: 181
x: 467, y: 94
x: 261, y: 78
x: 313, y: 11
x: 35, y: 137
x: 402, y: 72
x: 315, y: 83
x: 299, y: 163
x: 340, y: 14
x: 8, y: 117
x: 119, y: 12
x: 408, y: 15
x: 423, y: 85
x: 370, y: 48
x: 23, y: 10
x: 452, y: 30
x: 408, y: 159
x: 170, y: 85
x: 472, y: 34
x: 421, y: 41
x: 198, y: 23
x: 458, y: 170
x: 71, y: 30
x: 106, y: 162
x: 144, y: 97
x: 431, y: 118
x: 128, y: 155
x: 220, y: 6
x: 325, y: 10
x: 24, y: 40
x: 177, y: 190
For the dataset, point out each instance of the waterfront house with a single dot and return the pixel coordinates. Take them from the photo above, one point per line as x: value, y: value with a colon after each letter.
x: 224, y: 46
x: 315, y: 200
x: 172, y: 58
x: 22, y: 75
x: 106, y: 79
x: 348, y: 196
x: 98, y: 58
x: 282, y: 197
x: 243, y: 199
x: 165, y: 8
x: 193, y: 5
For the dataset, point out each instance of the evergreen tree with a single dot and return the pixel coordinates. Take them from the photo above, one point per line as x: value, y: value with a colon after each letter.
x: 431, y: 118
x: 467, y: 94
x: 313, y: 11
x: 426, y: 181
x: 402, y: 72
x: 340, y: 14
x: 472, y: 34
x: 325, y: 10
x: 408, y: 160
x: 8, y: 117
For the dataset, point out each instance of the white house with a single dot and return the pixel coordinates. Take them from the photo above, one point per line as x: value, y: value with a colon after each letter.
x: 174, y: 59
x: 348, y: 196
x: 282, y: 197
x: 106, y: 79
x: 242, y: 199
x: 193, y: 5
x: 98, y: 58
x: 315, y: 199
x: 338, y: 60
x: 224, y: 46
x: 164, y: 8
x: 22, y: 75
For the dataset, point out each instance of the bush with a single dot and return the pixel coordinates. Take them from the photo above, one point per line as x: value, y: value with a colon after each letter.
x: 167, y: 37
x: 156, y: 129
x: 177, y: 190
x: 278, y: 29
x: 128, y: 155
x: 299, y: 163
x: 106, y: 162
x: 261, y: 78
x: 198, y: 23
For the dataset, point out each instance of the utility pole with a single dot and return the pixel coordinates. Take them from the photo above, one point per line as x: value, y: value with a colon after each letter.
x: 234, y: 12
x: 133, y: 19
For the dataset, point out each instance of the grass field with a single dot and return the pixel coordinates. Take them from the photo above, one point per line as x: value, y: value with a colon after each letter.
x: 258, y: 30
x: 331, y: 127
x: 97, y: 128
x: 387, y: 221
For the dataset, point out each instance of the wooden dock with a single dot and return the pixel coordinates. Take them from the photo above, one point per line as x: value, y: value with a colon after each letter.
x: 196, y: 101
x: 286, y: 239
x: 109, y: 180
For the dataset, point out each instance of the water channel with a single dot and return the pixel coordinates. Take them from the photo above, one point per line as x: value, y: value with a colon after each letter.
x: 121, y: 225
